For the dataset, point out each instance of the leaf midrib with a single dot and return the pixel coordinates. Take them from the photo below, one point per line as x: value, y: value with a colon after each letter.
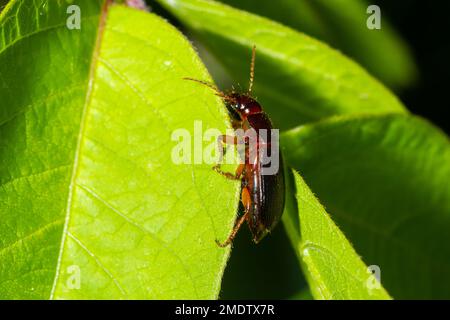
x: 90, y: 87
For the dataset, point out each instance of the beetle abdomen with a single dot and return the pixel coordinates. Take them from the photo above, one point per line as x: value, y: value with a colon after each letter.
x: 268, y: 202
x: 267, y: 188
x: 272, y: 204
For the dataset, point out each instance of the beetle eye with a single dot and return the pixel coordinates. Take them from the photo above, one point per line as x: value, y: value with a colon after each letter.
x: 233, y: 113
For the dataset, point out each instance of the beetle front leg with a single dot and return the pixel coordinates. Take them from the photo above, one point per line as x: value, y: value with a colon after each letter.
x: 224, y: 140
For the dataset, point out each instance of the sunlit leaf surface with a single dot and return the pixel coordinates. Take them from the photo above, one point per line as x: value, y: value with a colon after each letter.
x: 91, y: 204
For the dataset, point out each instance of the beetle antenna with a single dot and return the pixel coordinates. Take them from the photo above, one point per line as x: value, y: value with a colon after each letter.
x: 213, y: 87
x: 252, y: 70
x: 209, y: 85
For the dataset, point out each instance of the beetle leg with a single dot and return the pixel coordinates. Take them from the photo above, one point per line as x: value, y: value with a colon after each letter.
x: 222, y: 141
x: 246, y: 201
x: 236, y: 176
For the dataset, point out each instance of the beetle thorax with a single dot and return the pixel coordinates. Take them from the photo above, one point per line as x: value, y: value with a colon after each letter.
x: 245, y: 105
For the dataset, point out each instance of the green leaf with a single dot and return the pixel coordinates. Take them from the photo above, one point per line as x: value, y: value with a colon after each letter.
x: 297, y: 14
x: 298, y: 79
x: 331, y: 265
x: 88, y: 189
x: 342, y: 24
x: 384, y: 180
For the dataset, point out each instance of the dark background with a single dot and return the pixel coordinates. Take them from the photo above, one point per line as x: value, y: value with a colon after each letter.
x: 425, y: 26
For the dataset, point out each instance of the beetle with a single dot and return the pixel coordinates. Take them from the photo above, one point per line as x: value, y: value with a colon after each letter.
x: 262, y: 195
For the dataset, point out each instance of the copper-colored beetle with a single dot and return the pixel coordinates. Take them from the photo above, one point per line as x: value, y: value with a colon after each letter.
x: 262, y: 196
